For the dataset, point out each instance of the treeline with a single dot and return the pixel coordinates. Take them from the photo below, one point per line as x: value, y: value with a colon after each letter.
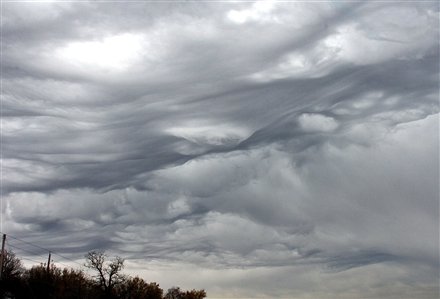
x: 42, y: 282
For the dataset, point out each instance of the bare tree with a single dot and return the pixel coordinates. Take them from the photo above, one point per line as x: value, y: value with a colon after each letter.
x: 12, y: 271
x: 108, y: 272
x: 12, y: 266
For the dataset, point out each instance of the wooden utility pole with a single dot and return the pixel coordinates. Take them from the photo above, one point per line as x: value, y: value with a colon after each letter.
x: 48, y: 264
x: 2, y: 257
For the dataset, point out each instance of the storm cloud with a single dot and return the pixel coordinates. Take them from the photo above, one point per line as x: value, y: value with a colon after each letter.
x: 277, y: 149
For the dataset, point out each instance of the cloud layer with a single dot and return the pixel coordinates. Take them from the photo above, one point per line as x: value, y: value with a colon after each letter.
x: 267, y: 148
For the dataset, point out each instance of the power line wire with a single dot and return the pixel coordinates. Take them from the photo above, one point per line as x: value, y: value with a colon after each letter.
x: 55, y: 262
x: 29, y: 243
x: 62, y: 256
x: 32, y: 260
x: 26, y: 250
x: 43, y: 248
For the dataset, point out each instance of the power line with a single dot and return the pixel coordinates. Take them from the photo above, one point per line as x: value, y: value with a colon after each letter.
x: 55, y: 262
x: 26, y: 250
x: 29, y: 243
x: 73, y: 261
x: 43, y: 248
x: 32, y: 260
x: 35, y: 254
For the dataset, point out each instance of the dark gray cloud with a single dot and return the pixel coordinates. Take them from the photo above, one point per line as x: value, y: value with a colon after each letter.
x: 266, y: 147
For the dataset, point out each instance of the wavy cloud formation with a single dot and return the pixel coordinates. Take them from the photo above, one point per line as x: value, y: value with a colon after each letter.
x: 266, y: 148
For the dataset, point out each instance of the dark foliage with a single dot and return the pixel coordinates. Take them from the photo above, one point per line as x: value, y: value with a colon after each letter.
x: 177, y: 293
x: 108, y: 283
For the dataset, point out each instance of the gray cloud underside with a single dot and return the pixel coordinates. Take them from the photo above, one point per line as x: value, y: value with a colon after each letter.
x: 287, y: 138
x: 111, y: 151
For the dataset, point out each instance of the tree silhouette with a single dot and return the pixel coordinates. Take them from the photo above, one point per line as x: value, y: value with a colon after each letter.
x: 108, y: 272
x: 137, y: 288
x: 57, y: 283
x: 12, y: 270
x: 177, y: 293
x: 174, y: 293
x: 12, y: 266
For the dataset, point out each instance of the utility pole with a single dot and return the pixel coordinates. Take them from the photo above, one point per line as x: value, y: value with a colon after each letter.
x: 48, y: 264
x: 2, y: 257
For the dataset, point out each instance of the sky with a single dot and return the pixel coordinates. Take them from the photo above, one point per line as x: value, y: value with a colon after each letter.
x: 252, y: 149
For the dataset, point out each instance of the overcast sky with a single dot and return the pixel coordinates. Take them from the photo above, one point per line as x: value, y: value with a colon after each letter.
x: 274, y: 149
